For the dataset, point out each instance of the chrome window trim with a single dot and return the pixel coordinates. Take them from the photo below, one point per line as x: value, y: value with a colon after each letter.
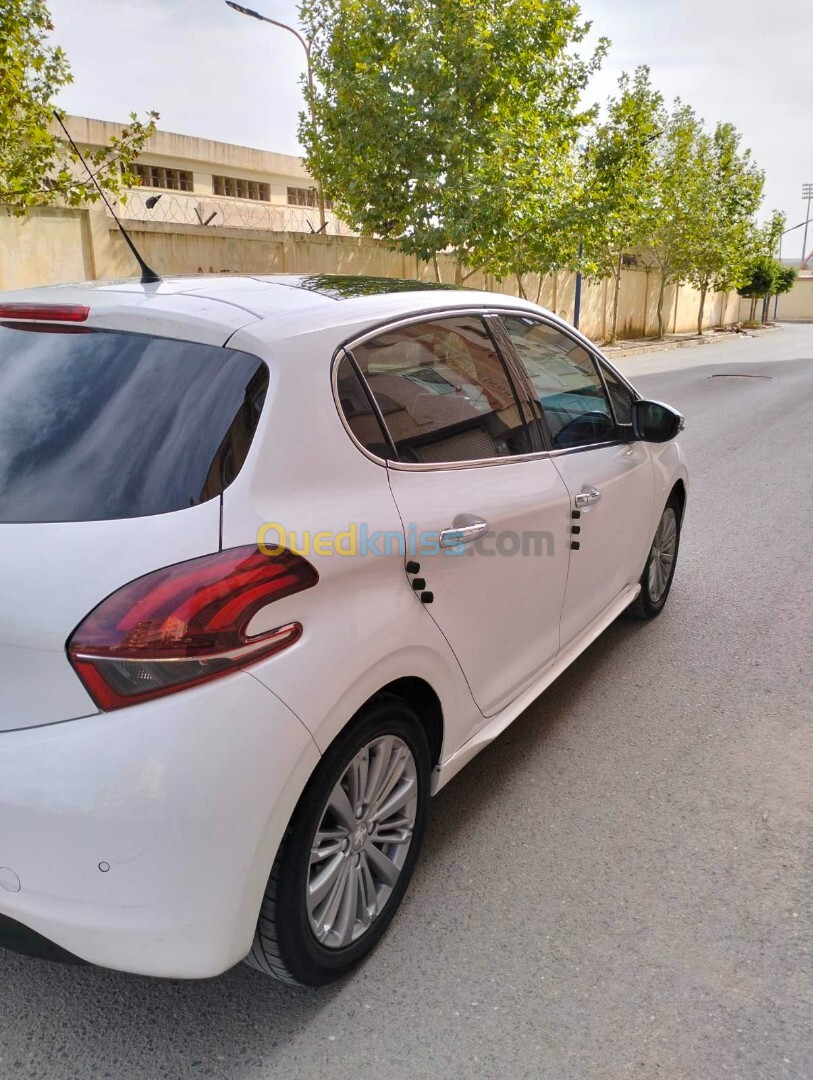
x: 346, y: 350
x: 484, y: 463
x: 429, y: 315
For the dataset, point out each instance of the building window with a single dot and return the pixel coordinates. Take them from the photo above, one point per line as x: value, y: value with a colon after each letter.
x: 157, y: 176
x: 242, y: 189
x: 305, y: 196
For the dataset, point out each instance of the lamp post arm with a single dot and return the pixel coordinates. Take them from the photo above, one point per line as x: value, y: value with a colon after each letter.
x: 264, y: 18
x: 306, y: 45
x: 291, y: 30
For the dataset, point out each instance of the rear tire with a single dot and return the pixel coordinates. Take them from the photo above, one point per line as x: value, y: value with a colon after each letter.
x: 347, y: 856
x: 656, y: 580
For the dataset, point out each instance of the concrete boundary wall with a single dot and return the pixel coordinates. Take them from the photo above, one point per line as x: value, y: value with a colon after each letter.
x: 795, y: 306
x: 52, y: 246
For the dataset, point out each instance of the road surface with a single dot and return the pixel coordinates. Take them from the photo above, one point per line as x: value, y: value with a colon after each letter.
x: 620, y: 886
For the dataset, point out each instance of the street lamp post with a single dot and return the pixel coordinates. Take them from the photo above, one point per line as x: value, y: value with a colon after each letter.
x: 802, y: 225
x: 807, y: 193
x: 577, y: 301
x: 306, y: 45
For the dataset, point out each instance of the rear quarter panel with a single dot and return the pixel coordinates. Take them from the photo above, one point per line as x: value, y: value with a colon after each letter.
x: 363, y: 625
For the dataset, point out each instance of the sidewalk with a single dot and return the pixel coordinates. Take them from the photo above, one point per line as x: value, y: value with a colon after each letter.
x: 678, y: 341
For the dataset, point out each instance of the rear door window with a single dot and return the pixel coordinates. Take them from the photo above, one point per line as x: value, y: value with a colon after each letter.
x: 443, y: 392
x: 98, y: 424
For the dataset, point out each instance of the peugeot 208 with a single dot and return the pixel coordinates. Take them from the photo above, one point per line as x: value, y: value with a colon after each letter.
x: 278, y: 557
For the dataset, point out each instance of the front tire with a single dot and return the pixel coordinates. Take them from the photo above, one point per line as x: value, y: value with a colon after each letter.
x: 349, y: 851
x: 656, y: 580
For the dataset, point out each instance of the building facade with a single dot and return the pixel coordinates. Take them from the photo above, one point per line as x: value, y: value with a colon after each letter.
x: 190, y: 181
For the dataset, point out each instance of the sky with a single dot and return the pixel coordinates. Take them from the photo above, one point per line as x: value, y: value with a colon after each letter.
x: 213, y: 73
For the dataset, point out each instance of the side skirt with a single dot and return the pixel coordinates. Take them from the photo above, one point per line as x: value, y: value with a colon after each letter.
x: 495, y: 727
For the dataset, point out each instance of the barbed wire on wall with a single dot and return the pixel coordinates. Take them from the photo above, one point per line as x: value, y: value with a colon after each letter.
x: 214, y: 211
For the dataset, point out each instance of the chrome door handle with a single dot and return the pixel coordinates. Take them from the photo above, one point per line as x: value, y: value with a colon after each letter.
x: 587, y: 498
x: 465, y: 529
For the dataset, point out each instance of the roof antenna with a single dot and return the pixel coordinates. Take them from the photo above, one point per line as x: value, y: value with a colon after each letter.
x: 148, y: 276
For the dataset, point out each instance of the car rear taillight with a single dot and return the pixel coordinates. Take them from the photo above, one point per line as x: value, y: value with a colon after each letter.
x: 70, y: 313
x: 185, y: 624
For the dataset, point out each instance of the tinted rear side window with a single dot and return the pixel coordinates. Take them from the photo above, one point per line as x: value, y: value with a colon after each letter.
x: 443, y: 391
x: 100, y: 424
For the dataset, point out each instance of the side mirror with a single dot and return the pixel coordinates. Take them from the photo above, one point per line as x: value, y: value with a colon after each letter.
x: 652, y: 421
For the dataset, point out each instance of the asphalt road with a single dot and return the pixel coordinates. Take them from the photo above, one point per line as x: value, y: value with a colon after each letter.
x: 619, y: 887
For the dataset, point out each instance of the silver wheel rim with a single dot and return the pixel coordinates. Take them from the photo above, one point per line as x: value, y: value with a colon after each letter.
x: 662, y: 556
x: 362, y: 841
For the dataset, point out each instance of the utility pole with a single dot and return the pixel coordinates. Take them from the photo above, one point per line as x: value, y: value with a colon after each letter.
x: 577, y: 303
x: 307, y: 46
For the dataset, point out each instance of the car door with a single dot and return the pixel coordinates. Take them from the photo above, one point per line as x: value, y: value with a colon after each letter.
x: 486, y: 517
x: 610, y: 478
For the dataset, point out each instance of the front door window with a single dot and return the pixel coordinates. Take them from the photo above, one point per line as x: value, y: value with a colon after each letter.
x: 566, y: 381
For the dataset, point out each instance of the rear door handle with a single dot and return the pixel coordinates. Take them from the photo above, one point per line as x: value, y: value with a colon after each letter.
x: 588, y: 496
x: 464, y: 530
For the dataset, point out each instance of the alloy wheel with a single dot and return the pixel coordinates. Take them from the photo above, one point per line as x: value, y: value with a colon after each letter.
x: 361, y: 842
x: 662, y: 556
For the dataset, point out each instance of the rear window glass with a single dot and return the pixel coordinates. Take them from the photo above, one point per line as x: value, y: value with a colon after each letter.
x: 98, y: 424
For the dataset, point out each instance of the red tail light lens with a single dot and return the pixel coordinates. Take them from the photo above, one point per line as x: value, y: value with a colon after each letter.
x: 185, y: 624
x: 70, y: 313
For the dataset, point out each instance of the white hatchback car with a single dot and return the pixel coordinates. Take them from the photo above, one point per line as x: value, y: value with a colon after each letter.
x: 278, y: 556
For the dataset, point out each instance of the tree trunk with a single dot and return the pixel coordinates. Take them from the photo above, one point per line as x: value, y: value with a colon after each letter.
x: 521, y: 286
x: 660, y: 306
x: 753, y: 312
x: 437, y: 267
x: 703, y: 292
x: 766, y: 299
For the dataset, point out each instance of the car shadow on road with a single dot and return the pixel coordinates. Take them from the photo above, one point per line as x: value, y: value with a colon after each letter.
x: 464, y: 803
x: 132, y: 1025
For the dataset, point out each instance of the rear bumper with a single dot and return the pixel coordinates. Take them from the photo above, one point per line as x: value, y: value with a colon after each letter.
x: 142, y: 839
x: 22, y: 939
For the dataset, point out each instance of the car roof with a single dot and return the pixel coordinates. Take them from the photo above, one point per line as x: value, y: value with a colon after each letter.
x: 211, y: 308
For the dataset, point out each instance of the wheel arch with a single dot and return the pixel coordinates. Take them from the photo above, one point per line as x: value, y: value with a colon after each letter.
x: 421, y: 696
x: 678, y: 493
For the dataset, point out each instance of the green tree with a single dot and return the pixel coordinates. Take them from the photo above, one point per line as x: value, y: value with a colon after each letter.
x: 36, y: 167
x: 763, y: 276
x: 786, y: 277
x: 759, y: 276
x: 449, y: 124
x: 674, y: 199
x: 618, y: 163
x: 723, y: 192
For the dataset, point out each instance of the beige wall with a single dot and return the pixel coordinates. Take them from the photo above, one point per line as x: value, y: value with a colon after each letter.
x: 53, y: 246
x: 795, y: 306
x: 49, y: 246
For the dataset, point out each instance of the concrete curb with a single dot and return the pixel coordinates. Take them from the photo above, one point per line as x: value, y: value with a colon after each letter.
x: 683, y: 343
